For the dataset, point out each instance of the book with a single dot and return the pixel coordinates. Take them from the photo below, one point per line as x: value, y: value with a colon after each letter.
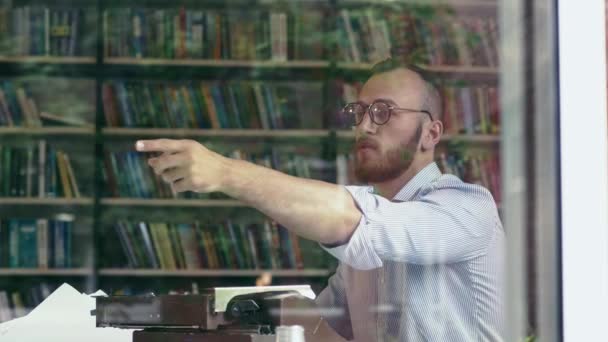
x: 236, y: 34
x: 21, y: 106
x: 227, y: 245
x: 477, y: 166
x: 370, y: 35
x: 36, y: 171
x: 277, y: 105
x: 17, y: 302
x: 127, y: 174
x: 47, y: 31
x: 54, y: 120
x: 471, y: 109
x: 35, y: 243
x: 28, y: 247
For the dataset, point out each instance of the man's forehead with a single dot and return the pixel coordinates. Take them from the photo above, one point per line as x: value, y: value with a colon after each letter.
x: 403, y: 90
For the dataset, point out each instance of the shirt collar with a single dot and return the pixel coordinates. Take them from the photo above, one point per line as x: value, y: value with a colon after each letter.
x: 425, y: 176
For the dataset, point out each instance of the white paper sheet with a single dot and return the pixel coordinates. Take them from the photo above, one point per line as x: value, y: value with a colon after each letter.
x: 64, y: 316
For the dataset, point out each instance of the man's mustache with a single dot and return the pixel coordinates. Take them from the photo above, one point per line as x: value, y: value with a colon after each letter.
x: 366, y: 143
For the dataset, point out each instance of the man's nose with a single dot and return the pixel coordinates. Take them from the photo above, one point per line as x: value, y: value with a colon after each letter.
x: 367, y: 125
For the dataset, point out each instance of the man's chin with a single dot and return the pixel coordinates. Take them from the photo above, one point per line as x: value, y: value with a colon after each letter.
x: 366, y: 173
x: 370, y: 171
x: 366, y: 156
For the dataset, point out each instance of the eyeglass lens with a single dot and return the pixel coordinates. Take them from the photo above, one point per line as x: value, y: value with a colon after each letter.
x: 379, y: 112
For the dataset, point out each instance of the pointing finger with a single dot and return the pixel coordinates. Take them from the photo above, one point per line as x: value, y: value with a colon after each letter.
x: 160, y: 145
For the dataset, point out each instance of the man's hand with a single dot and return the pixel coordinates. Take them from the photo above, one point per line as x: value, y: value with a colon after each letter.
x: 186, y: 164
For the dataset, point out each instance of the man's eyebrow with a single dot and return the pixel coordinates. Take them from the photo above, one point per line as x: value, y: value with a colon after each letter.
x: 387, y: 101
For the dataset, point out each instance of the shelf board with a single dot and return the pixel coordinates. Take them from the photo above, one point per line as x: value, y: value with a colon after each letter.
x: 71, y: 67
x: 481, y: 70
x: 47, y: 59
x: 477, y: 138
x: 222, y: 4
x: 204, y: 69
x: 260, y: 133
x: 461, y: 69
x: 47, y: 131
x: 177, y: 210
x: 59, y: 272
x: 52, y: 208
x: 483, y: 73
x: 477, y: 5
x: 219, y: 133
x: 41, y: 201
x: 119, y: 272
x: 214, y: 63
x: 178, y: 203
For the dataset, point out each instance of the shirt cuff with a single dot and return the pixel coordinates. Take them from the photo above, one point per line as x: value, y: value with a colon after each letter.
x: 358, y: 252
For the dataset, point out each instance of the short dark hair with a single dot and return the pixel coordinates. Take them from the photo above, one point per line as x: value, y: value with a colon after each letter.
x: 432, y: 101
x: 394, y: 63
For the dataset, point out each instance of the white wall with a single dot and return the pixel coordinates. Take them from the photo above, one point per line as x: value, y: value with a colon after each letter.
x: 584, y: 168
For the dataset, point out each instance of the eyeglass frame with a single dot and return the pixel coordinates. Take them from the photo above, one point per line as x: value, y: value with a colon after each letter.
x: 390, y: 111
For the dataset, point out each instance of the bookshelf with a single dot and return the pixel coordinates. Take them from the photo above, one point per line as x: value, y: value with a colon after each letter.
x: 32, y: 201
x: 45, y: 132
x: 110, y: 272
x: 485, y: 73
x: 300, y: 135
x: 32, y: 134
x: 27, y: 272
x: 46, y: 60
x: 211, y: 63
x: 172, y: 203
x: 97, y: 211
x: 480, y: 138
x: 17, y: 207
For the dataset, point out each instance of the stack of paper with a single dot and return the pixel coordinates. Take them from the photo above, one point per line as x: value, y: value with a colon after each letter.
x: 64, y: 316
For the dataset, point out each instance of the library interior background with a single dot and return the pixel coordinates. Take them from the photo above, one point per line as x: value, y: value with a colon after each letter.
x: 82, y: 81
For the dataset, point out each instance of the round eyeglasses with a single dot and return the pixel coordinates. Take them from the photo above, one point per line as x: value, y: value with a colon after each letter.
x: 379, y: 112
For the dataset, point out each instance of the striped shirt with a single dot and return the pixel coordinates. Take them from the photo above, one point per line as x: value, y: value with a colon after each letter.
x: 426, y: 266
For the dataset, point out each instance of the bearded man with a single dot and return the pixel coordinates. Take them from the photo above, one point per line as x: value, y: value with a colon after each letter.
x: 421, y: 252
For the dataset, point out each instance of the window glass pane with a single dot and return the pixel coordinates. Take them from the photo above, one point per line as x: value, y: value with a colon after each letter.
x: 397, y: 215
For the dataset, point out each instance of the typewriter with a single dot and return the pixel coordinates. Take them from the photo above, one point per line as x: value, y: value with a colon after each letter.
x: 227, y: 315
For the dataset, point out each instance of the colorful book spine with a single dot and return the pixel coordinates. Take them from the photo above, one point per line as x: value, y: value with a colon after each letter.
x: 127, y: 174
x: 41, y: 243
x: 37, y: 171
x: 228, y: 245
x: 471, y: 110
x: 473, y: 166
x: 371, y: 35
x: 214, y: 34
x: 15, y: 303
x: 19, y: 106
x: 47, y: 31
x: 213, y: 105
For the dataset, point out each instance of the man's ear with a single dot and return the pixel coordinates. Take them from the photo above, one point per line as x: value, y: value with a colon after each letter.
x: 432, y: 135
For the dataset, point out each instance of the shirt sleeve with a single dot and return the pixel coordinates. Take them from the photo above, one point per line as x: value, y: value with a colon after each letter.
x: 441, y: 226
x: 334, y: 306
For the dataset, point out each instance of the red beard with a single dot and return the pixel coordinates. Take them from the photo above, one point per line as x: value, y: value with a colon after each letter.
x: 373, y: 166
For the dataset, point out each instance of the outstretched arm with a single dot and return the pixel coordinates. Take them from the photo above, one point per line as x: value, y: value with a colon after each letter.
x: 313, y: 209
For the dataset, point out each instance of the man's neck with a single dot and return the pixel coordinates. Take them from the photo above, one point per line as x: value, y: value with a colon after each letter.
x: 391, y: 187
